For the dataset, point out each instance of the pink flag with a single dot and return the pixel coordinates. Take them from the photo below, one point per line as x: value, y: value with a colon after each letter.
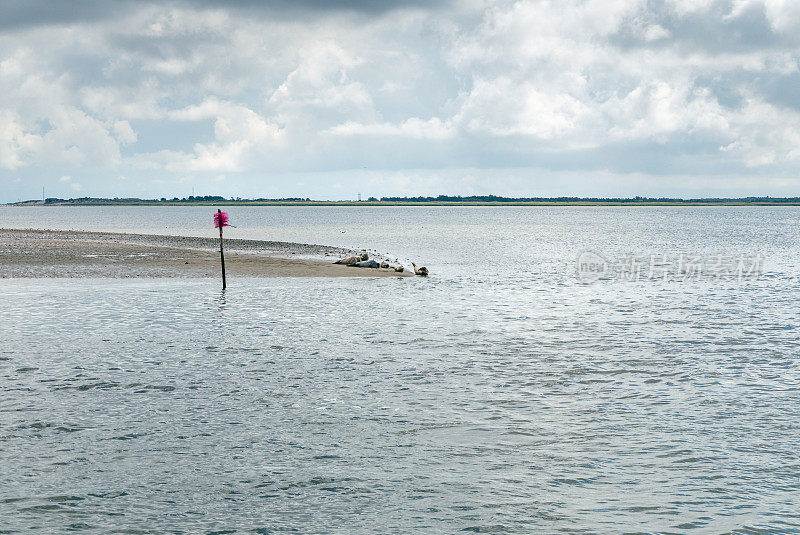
x: 221, y: 219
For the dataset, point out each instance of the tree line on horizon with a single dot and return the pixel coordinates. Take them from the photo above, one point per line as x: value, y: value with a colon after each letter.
x: 496, y: 198
x: 423, y: 199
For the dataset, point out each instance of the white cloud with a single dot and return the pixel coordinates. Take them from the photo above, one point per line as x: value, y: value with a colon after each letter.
x: 213, y: 157
x: 503, y: 107
x: 121, y: 102
x: 414, y: 127
x: 783, y: 15
x: 174, y: 91
x: 15, y: 143
x: 777, y: 139
x: 654, y: 32
x: 239, y: 133
x: 658, y: 110
x: 77, y: 139
x: 320, y: 89
x: 124, y: 133
x: 688, y: 7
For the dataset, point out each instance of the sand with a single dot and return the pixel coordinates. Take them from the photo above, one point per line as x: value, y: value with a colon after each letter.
x: 53, y: 253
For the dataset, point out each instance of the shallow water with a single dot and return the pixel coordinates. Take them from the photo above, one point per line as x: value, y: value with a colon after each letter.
x: 503, y: 394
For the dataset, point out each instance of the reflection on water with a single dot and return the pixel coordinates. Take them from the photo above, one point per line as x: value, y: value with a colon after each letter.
x: 503, y: 394
x: 220, y: 300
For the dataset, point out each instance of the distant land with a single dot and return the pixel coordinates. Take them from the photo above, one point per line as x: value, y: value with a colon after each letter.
x: 441, y: 200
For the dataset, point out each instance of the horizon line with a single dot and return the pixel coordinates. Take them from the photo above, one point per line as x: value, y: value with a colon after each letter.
x: 397, y: 200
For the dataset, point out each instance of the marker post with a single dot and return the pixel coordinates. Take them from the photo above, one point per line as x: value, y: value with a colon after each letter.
x: 221, y: 220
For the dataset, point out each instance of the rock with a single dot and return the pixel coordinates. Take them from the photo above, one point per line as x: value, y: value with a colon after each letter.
x: 349, y: 261
x: 366, y: 264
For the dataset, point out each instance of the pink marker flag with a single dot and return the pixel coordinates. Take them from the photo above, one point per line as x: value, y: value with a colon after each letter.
x: 221, y: 219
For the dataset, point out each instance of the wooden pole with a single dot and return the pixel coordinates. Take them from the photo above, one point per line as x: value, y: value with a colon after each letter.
x: 221, y: 254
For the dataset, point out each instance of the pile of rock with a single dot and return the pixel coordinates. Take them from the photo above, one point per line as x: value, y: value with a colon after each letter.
x: 352, y: 260
x: 363, y: 261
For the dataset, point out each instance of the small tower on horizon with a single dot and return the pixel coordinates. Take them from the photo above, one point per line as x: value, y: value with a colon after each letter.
x: 359, y: 197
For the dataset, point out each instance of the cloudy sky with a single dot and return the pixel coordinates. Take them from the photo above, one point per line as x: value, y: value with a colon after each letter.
x: 327, y: 99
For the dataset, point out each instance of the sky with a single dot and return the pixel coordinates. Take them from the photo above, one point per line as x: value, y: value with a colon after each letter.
x: 325, y: 99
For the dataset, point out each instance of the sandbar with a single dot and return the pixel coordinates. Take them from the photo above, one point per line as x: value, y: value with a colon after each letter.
x: 75, y: 254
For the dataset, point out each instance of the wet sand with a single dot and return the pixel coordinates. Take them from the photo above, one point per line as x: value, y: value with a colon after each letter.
x: 52, y: 253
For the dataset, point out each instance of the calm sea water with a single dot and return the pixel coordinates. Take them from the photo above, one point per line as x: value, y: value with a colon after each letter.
x: 507, y: 393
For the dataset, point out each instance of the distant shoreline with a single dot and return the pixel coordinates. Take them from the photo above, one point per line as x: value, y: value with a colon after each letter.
x: 510, y: 202
x: 28, y: 253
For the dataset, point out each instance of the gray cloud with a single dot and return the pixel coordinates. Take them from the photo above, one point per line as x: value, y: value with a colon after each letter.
x: 718, y: 29
x: 296, y: 6
x: 28, y: 13
x: 244, y: 94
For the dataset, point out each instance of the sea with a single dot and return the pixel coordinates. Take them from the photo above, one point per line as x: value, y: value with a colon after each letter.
x: 575, y: 369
